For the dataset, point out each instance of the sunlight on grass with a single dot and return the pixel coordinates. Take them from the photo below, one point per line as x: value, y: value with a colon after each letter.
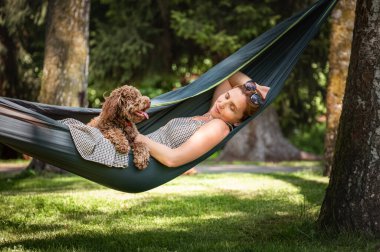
x: 266, y: 164
x: 207, y: 212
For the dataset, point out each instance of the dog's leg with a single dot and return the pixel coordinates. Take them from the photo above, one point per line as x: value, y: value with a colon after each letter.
x: 140, y: 155
x: 118, y: 139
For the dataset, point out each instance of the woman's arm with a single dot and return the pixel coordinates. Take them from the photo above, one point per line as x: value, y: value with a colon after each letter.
x: 203, y: 140
x: 234, y: 80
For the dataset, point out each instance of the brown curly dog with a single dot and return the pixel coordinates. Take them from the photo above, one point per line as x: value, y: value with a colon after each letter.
x: 120, y: 111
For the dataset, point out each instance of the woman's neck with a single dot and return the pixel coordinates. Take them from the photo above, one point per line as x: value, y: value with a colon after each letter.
x: 208, y: 116
x: 205, y: 117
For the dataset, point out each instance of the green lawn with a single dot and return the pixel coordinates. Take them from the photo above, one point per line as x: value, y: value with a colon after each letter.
x: 206, y: 212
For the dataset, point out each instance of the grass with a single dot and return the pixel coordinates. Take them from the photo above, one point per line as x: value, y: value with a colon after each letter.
x: 206, y: 212
x: 294, y: 164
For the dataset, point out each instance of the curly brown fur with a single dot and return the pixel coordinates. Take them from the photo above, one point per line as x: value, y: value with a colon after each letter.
x: 120, y: 111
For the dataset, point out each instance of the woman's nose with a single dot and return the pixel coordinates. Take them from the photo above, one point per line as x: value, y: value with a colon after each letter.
x: 222, y: 104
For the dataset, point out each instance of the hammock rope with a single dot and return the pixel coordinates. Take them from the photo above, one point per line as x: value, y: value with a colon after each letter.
x: 32, y: 128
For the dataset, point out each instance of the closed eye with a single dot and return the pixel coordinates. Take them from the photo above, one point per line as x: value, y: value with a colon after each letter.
x: 232, y: 106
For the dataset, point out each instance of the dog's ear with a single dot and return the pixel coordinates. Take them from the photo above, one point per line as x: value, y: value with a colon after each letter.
x: 110, y: 105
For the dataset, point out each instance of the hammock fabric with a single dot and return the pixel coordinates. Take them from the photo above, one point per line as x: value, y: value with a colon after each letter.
x: 32, y: 128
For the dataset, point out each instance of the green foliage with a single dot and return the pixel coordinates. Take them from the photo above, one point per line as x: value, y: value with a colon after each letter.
x: 303, y: 98
x: 309, y: 138
x: 207, y: 212
x: 21, y: 47
x: 213, y: 25
x: 119, y: 40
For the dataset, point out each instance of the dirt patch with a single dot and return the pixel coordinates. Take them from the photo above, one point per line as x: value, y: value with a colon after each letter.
x: 12, y: 167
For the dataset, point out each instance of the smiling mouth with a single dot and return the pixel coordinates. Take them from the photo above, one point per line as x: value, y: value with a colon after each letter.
x: 217, y: 109
x: 142, y: 114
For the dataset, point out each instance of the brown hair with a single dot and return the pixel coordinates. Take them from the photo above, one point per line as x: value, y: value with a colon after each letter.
x: 251, y: 108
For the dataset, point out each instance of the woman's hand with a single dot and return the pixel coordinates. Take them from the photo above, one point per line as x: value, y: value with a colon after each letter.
x: 234, y: 80
x: 140, y: 138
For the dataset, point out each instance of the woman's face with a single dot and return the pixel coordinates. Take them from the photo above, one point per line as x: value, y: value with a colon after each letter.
x: 230, y: 106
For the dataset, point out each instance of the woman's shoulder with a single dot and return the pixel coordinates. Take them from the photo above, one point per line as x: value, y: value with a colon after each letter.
x: 218, y: 126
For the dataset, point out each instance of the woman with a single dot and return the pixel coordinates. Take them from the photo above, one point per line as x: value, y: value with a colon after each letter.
x: 233, y: 101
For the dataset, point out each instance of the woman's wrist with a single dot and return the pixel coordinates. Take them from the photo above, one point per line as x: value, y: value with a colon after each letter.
x: 140, y: 138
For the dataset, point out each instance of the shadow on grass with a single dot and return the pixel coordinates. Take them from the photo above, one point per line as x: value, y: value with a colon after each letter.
x: 28, y: 228
x: 244, y: 234
x: 29, y: 183
x: 220, y: 222
x: 225, y: 221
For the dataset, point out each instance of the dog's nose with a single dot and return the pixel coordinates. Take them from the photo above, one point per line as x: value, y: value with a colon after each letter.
x: 148, y: 104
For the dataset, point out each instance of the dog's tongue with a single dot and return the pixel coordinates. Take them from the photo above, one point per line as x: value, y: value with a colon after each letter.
x: 145, y: 114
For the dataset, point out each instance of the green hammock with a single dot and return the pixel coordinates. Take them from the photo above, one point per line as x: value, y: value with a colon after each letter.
x: 32, y: 128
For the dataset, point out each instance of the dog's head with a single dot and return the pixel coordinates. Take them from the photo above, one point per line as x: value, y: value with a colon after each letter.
x: 126, y: 103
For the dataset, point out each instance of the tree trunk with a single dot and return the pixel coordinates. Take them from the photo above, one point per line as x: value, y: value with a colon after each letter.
x: 262, y: 140
x: 352, y: 199
x: 64, y: 79
x: 343, y: 17
x: 65, y: 73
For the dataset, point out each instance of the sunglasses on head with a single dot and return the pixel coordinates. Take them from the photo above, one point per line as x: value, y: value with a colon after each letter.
x: 255, y: 97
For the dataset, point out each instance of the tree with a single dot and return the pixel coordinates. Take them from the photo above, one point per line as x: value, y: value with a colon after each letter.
x: 352, y: 199
x: 343, y: 17
x: 64, y: 79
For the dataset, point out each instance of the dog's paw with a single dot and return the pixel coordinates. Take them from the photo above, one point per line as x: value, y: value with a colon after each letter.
x: 141, y: 165
x: 141, y: 161
x: 140, y: 155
